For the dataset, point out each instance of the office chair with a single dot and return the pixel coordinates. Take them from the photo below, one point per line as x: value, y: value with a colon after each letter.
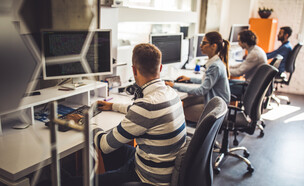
x: 193, y: 164
x: 245, y: 119
x: 289, y: 68
x: 270, y: 92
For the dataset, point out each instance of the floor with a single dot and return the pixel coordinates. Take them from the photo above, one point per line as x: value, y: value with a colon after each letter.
x: 278, y: 157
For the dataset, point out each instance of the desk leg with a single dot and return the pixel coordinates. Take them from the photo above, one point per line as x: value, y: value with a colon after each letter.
x: 21, y: 182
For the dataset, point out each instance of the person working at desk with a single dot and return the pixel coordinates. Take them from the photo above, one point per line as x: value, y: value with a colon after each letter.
x: 255, y: 57
x: 213, y: 83
x: 155, y: 120
x: 284, y: 49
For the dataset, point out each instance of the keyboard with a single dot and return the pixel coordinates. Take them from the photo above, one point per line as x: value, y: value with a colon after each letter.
x: 80, y: 111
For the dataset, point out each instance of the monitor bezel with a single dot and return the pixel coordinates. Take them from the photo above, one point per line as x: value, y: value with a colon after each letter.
x: 233, y: 26
x: 195, y: 46
x: 170, y: 34
x: 43, y: 59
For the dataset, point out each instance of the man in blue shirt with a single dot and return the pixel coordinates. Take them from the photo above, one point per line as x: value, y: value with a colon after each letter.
x: 284, y: 49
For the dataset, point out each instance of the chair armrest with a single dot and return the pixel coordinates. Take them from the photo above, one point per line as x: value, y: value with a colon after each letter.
x: 232, y: 111
x: 233, y: 97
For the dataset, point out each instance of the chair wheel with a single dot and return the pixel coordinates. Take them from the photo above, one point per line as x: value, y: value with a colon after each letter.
x: 216, y: 170
x: 246, y: 154
x: 261, y: 134
x: 288, y: 102
x: 250, y: 169
x: 235, y: 142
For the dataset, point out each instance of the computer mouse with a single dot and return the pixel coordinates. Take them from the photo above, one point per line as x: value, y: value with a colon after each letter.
x: 179, y: 78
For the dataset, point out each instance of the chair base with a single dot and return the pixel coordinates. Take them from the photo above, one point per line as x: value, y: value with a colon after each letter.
x: 261, y: 126
x: 225, y: 151
x: 223, y: 155
x: 284, y: 98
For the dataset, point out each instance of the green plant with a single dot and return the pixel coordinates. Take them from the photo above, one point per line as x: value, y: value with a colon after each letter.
x: 265, y: 9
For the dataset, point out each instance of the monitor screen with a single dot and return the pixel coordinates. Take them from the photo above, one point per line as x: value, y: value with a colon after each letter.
x: 234, y: 31
x: 70, y: 54
x: 170, y: 45
x: 197, y: 43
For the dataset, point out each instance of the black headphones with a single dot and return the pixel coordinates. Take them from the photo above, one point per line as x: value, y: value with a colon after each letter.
x: 135, y: 90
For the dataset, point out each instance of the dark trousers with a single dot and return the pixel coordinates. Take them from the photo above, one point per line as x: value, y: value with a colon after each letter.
x: 119, y: 166
x: 236, y: 87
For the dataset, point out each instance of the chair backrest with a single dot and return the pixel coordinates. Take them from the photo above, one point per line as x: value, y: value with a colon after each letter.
x: 276, y: 63
x: 256, y: 90
x: 196, y: 166
x: 290, y: 62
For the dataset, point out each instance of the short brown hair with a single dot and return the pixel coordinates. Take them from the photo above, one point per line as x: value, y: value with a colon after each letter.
x: 147, y: 58
x: 247, y: 36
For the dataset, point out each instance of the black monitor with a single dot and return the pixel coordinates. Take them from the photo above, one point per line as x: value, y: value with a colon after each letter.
x: 235, y: 30
x: 74, y: 54
x: 170, y: 45
x: 198, y: 38
x: 184, y: 30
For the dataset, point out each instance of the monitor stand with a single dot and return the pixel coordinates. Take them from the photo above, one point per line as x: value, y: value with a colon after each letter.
x: 76, y: 83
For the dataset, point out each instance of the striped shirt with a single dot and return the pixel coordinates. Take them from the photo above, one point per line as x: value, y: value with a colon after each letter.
x: 157, y: 123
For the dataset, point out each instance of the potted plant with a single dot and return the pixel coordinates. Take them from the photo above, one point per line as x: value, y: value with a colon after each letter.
x: 265, y: 12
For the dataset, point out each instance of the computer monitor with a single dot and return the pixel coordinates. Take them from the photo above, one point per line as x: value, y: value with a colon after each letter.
x: 235, y: 30
x: 170, y: 45
x: 75, y: 54
x: 198, y: 38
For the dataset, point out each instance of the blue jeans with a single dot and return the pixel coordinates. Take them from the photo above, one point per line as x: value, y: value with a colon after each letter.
x: 119, y: 166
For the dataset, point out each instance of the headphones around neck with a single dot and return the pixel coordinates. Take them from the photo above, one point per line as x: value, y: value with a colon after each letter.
x: 135, y: 90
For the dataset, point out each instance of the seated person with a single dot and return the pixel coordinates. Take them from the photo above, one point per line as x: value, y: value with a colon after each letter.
x: 156, y: 120
x: 215, y: 80
x: 284, y: 49
x: 255, y: 57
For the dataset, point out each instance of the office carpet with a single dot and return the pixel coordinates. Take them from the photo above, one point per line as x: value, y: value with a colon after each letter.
x: 277, y: 157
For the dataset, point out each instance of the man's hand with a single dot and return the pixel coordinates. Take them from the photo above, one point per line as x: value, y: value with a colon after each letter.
x: 170, y: 83
x: 182, y: 78
x: 75, y: 117
x: 104, y: 105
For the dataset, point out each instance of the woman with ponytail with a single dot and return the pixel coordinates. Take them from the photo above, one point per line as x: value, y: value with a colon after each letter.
x: 215, y: 79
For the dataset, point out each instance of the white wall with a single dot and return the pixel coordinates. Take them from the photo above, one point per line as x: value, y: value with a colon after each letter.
x: 221, y: 14
x: 288, y: 13
x: 213, y: 21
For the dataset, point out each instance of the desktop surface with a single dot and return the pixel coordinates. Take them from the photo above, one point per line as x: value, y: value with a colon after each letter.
x: 17, y: 146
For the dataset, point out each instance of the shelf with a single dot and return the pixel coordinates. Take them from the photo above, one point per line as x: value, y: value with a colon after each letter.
x: 120, y: 64
x: 80, y: 96
x: 127, y: 14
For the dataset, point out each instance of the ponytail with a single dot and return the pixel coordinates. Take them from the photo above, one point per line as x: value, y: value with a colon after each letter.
x: 222, y: 48
x: 224, y: 55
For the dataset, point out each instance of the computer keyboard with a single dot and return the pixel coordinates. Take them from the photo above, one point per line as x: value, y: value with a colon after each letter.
x: 80, y: 111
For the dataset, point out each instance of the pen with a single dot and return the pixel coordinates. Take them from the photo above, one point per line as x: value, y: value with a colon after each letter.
x: 108, y: 99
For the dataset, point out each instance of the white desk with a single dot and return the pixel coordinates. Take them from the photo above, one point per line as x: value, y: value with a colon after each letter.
x: 22, y: 151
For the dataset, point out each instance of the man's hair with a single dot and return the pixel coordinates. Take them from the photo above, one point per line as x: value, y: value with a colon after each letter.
x: 247, y: 36
x: 147, y: 58
x: 287, y: 30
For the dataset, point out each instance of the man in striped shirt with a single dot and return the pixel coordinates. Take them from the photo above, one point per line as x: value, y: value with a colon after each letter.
x: 155, y: 120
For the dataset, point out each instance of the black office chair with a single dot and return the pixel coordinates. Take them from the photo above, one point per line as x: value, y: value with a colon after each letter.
x: 270, y: 92
x: 245, y: 119
x: 289, y: 68
x: 193, y: 165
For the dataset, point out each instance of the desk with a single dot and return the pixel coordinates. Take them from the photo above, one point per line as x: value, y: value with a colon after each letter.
x: 22, y: 151
x: 25, y: 151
